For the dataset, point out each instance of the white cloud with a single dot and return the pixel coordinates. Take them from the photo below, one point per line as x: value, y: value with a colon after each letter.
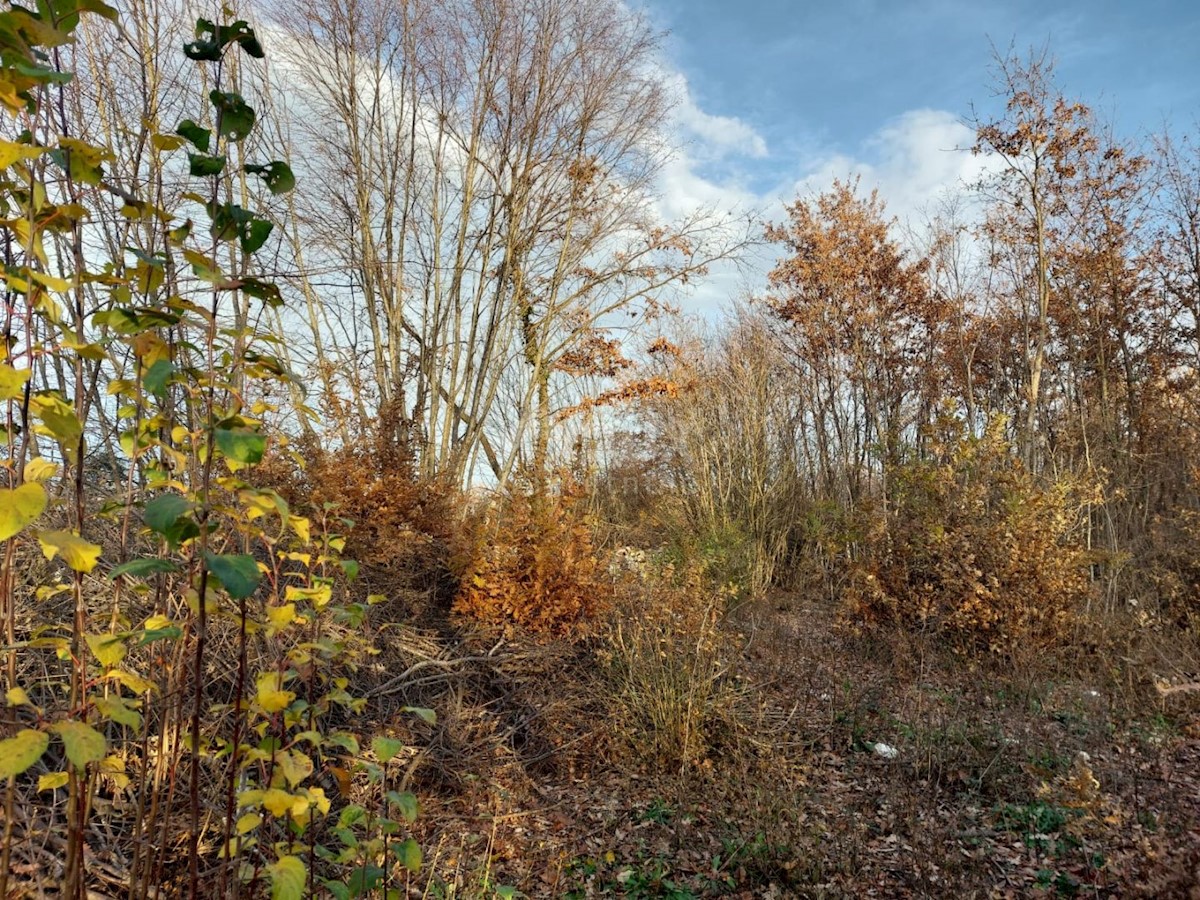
x: 711, y: 136
x: 914, y: 160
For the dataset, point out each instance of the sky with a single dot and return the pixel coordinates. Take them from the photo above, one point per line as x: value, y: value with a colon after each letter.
x: 778, y: 97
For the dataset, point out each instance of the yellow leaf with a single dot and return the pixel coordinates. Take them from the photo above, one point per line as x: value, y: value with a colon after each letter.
x: 19, y: 506
x: 77, y: 553
x: 271, y: 696
x: 288, y: 878
x: 84, y: 744
x: 281, y: 617
x: 302, y: 527
x: 50, y: 281
x: 11, y: 152
x: 316, y: 797
x: 319, y: 596
x: 40, y: 469
x: 293, y: 766
x: 248, y: 822
x: 281, y: 803
x: 135, y: 683
x: 12, y: 382
x: 52, y: 781
x: 21, y: 751
x: 17, y: 697
x: 108, y: 649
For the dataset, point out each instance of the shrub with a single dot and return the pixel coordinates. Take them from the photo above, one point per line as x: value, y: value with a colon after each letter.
x: 972, y: 547
x: 667, y: 659
x: 528, y: 560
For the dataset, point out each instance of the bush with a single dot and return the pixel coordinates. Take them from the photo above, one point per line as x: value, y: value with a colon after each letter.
x: 973, y: 548
x: 667, y: 660
x: 528, y: 560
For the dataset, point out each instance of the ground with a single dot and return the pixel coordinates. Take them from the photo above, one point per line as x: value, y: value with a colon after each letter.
x: 1009, y: 780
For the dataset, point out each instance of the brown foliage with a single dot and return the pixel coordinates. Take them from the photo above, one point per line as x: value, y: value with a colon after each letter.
x: 973, y: 548
x: 397, y: 524
x: 528, y: 561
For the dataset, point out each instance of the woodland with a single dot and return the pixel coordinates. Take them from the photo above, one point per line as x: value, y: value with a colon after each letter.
x: 375, y: 521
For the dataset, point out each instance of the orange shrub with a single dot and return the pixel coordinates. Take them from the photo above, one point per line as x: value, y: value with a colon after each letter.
x: 529, y: 561
x: 973, y: 548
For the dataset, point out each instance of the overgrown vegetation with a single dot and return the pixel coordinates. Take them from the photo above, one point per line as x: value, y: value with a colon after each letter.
x: 886, y: 583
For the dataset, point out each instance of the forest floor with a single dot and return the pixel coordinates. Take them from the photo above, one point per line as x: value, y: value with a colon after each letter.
x: 995, y: 779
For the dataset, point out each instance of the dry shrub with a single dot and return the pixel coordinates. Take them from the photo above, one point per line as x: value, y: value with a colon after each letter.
x: 973, y: 548
x: 400, y: 526
x: 667, y: 660
x: 528, y: 560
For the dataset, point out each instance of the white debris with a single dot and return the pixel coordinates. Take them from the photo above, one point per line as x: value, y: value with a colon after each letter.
x: 885, y: 751
x: 631, y: 560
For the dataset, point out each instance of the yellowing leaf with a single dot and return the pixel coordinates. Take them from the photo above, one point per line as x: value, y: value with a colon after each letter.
x: 84, y: 744
x: 21, y: 751
x: 288, y: 877
x: 12, y: 152
x: 281, y: 617
x: 280, y: 803
x: 302, y: 527
x: 40, y: 469
x: 108, y: 649
x: 12, y: 382
x: 77, y: 553
x: 271, y: 695
x: 53, y: 780
x: 135, y: 683
x: 248, y: 822
x: 117, y: 709
x: 293, y: 766
x: 19, y: 506
x: 316, y: 797
x: 17, y: 697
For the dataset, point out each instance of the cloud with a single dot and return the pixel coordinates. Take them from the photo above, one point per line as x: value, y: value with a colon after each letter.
x: 914, y: 160
x: 711, y: 136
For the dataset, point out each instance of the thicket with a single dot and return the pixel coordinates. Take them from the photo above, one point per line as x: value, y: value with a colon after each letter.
x: 179, y: 641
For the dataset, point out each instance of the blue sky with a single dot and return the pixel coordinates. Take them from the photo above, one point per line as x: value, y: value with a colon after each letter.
x: 779, y: 96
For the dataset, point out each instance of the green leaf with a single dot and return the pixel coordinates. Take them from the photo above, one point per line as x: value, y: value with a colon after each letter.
x: 238, y: 573
x: 231, y: 221
x: 386, y: 748
x: 60, y: 421
x: 277, y: 175
x: 200, y: 137
x: 167, y: 514
x: 19, y: 506
x: 407, y: 803
x: 140, y: 568
x: 350, y: 567
x: 201, y: 165
x: 21, y: 751
x: 255, y: 234
x: 242, y: 445
x: 209, y: 49
x: 428, y: 716
x: 339, y: 890
x: 263, y: 290
x: 84, y: 744
x: 365, y: 879
x: 235, y: 119
x: 156, y: 377
x: 408, y: 852
x: 118, y: 710
x: 288, y: 877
